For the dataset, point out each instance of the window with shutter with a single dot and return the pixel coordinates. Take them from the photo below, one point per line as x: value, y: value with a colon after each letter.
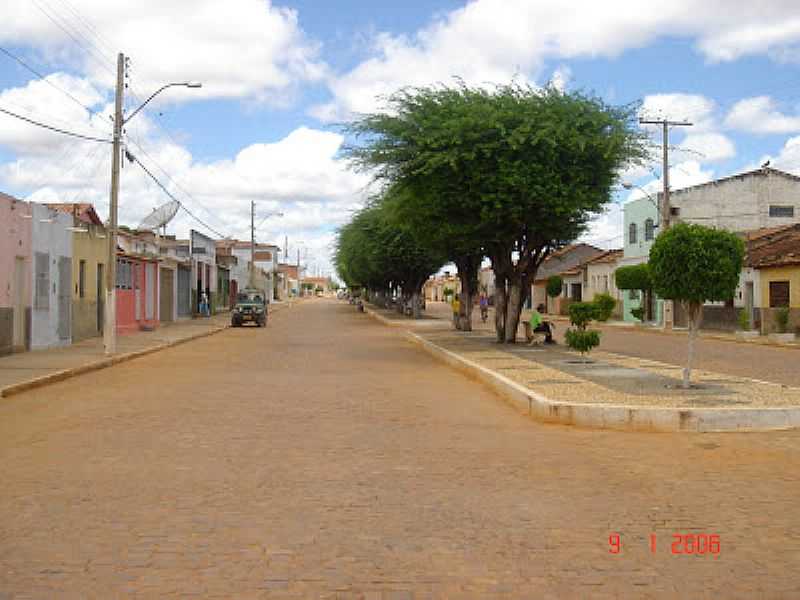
x: 778, y: 294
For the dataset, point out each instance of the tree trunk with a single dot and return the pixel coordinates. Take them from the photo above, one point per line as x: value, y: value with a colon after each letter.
x: 415, y: 305
x: 500, y: 303
x: 516, y: 300
x: 468, y: 276
x: 695, y: 316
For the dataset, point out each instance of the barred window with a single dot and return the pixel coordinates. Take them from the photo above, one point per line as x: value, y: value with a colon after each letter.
x: 632, y: 233
x: 42, y: 266
x: 649, y: 230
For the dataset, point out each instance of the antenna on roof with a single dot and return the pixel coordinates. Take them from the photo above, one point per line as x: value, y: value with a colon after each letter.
x: 160, y: 216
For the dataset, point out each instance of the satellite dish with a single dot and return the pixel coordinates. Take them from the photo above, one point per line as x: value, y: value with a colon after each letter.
x: 160, y: 216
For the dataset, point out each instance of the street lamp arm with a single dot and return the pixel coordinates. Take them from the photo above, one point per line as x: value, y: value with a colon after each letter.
x: 189, y: 84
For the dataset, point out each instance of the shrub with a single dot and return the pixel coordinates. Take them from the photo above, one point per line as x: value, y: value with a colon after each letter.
x: 782, y: 319
x: 638, y: 313
x: 554, y: 286
x: 580, y: 313
x: 744, y: 320
x: 582, y: 340
x: 605, y: 304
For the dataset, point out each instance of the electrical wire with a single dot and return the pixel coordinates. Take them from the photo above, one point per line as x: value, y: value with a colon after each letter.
x: 44, y: 78
x: 52, y: 128
x: 171, y: 195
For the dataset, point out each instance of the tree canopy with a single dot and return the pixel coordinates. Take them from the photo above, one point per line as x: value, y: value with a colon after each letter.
x: 696, y: 264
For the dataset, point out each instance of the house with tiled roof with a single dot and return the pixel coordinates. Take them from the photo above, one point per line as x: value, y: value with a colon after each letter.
x: 775, y: 256
x: 567, y: 263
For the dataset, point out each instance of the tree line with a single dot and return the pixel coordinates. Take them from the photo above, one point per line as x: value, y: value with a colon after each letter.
x: 511, y: 173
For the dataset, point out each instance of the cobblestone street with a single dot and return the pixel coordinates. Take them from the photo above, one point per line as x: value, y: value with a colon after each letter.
x: 326, y: 457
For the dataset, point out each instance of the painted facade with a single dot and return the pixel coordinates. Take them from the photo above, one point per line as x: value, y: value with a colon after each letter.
x: 15, y: 274
x: 640, y: 227
x: 137, y: 284
x: 204, y: 269
x: 89, y: 257
x: 51, y: 277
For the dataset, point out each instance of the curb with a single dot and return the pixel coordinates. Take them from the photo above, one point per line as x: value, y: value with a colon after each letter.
x: 614, y: 417
x: 103, y: 363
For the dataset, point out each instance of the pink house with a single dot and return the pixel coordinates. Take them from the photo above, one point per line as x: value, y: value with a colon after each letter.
x: 137, y: 284
x: 15, y: 274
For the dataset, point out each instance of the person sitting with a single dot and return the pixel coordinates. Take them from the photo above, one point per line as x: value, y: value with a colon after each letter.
x: 539, y: 325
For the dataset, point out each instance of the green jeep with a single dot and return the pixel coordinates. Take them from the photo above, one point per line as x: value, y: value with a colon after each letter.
x: 250, y: 308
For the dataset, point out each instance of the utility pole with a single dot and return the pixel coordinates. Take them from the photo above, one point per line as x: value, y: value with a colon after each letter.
x: 252, y: 243
x: 665, y: 208
x: 299, y: 284
x: 665, y: 125
x: 110, y: 309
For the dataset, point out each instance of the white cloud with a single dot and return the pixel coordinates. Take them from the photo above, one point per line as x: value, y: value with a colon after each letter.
x: 694, y: 108
x: 299, y: 175
x: 788, y: 158
x: 711, y: 147
x: 494, y: 40
x: 761, y: 115
x: 44, y: 100
x: 237, y: 48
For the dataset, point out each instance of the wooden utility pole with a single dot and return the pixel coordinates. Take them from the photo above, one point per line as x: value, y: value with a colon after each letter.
x: 665, y: 208
x: 110, y: 309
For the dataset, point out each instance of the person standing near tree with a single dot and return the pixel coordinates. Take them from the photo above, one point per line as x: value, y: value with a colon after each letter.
x: 456, y: 309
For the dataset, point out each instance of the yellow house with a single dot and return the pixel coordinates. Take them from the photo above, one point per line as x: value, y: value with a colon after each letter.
x: 89, y: 257
x: 778, y: 263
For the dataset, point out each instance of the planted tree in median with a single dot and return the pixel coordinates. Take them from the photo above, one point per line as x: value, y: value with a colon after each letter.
x: 695, y: 264
x: 580, y: 338
x: 515, y: 172
x: 637, y: 277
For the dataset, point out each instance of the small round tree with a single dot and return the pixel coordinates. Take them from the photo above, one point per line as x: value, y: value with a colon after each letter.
x: 695, y: 264
x: 581, y: 339
x: 554, y: 286
x: 636, y: 277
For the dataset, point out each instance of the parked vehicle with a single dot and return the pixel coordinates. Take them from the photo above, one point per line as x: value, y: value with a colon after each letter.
x: 250, y: 308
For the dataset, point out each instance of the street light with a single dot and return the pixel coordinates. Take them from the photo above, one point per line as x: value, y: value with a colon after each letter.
x: 110, y: 316
x: 187, y: 84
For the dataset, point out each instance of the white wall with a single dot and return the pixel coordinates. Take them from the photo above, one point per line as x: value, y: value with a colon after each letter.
x: 53, y: 238
x: 739, y: 203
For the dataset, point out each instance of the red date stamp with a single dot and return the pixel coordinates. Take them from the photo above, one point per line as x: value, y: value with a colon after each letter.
x: 682, y: 543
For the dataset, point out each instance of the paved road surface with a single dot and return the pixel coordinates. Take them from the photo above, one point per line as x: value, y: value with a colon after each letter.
x: 324, y: 457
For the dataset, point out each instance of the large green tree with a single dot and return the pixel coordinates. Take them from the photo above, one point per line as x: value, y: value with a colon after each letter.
x: 515, y: 172
x: 695, y: 264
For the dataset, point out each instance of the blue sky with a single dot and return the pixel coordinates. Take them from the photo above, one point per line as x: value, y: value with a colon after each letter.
x: 278, y: 76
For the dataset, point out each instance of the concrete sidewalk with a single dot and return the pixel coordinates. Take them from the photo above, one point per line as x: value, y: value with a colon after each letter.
x: 28, y: 370
x: 612, y: 391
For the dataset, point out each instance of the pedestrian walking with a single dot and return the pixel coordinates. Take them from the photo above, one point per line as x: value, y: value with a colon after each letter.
x: 456, y: 310
x: 204, y: 311
x: 484, y: 304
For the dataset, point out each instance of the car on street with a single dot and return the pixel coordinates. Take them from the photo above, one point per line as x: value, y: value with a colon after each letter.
x: 251, y: 307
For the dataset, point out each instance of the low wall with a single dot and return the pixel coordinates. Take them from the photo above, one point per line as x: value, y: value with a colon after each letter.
x: 768, y: 320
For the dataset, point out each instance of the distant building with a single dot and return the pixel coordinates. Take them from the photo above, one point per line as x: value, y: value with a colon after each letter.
x: 566, y: 263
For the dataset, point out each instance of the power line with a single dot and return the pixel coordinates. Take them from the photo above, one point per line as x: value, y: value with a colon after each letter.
x: 171, y: 195
x: 97, y: 55
x: 52, y: 128
x: 44, y: 78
